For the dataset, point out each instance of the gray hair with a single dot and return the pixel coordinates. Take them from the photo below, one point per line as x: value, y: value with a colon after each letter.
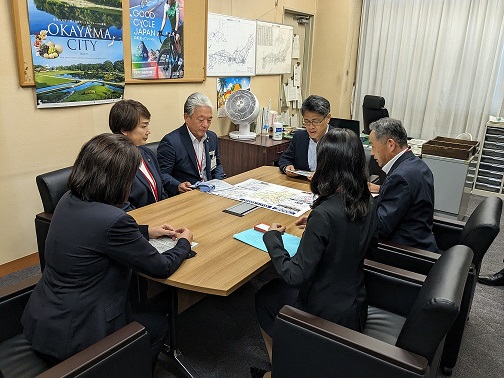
x: 317, y: 104
x: 194, y: 100
x: 390, y: 128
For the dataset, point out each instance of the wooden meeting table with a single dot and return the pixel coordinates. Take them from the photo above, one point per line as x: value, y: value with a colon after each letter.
x: 222, y: 263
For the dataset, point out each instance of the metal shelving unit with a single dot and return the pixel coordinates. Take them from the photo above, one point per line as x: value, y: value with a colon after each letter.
x: 490, y: 168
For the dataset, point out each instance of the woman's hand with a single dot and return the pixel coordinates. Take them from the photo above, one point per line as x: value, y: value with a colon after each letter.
x: 163, y: 230
x: 301, y: 222
x: 277, y: 227
x: 184, y: 233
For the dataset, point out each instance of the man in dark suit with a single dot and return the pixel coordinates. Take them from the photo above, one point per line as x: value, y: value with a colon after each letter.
x: 406, y: 197
x: 301, y: 153
x: 191, y: 152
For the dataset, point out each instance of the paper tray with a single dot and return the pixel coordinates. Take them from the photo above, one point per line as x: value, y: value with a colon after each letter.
x: 450, y: 147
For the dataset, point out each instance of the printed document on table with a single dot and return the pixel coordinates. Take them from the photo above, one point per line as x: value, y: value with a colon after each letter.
x: 165, y: 243
x: 270, y: 196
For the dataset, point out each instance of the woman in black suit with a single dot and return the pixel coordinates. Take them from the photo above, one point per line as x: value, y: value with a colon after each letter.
x: 131, y: 118
x: 325, y: 277
x: 91, y: 248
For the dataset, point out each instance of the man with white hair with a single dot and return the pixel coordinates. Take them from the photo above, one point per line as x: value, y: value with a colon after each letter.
x: 190, y: 153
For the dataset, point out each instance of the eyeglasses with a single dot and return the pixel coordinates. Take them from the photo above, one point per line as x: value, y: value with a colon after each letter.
x: 314, y: 122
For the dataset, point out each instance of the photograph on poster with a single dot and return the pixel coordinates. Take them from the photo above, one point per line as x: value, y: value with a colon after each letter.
x: 226, y: 86
x: 157, y: 39
x: 77, y: 52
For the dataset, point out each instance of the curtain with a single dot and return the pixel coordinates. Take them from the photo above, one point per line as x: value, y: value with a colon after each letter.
x: 437, y: 63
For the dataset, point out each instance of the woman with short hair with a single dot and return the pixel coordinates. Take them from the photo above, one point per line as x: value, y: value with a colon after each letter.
x: 132, y: 119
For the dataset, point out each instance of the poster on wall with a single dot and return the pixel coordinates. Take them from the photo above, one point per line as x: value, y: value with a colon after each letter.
x: 77, y: 51
x: 273, y: 48
x: 230, y: 46
x: 157, y: 39
x: 226, y: 86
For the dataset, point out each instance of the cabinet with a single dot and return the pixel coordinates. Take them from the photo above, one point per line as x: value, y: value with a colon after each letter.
x: 453, y: 180
x: 490, y: 168
x: 238, y: 156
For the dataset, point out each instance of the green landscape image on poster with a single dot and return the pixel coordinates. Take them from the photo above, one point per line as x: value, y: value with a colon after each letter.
x: 77, y: 51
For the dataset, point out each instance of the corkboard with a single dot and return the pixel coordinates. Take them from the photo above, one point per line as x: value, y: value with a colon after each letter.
x: 195, y: 40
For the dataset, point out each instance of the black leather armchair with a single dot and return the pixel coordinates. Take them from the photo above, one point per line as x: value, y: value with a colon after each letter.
x: 407, y: 322
x: 51, y: 186
x: 125, y: 353
x: 478, y: 233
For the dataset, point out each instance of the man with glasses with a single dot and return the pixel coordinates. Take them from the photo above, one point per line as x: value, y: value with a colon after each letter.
x: 191, y: 152
x: 302, y: 151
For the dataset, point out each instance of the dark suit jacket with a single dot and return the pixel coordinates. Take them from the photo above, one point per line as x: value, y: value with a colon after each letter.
x: 406, y: 204
x: 297, y: 152
x: 82, y: 295
x: 177, y: 159
x: 328, y: 265
x: 141, y: 193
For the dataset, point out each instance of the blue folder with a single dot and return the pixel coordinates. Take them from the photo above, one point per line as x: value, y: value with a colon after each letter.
x: 255, y: 239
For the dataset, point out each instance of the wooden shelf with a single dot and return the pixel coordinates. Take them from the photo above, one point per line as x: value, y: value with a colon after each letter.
x: 238, y: 156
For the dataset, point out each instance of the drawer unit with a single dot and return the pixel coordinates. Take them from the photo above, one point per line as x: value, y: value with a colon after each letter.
x: 490, y: 169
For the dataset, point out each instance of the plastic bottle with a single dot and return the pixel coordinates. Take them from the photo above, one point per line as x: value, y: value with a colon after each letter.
x: 277, y: 130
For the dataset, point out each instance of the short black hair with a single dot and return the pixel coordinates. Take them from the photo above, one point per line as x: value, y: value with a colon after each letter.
x: 105, y: 169
x: 125, y: 115
x: 390, y: 128
x: 317, y: 104
x: 342, y: 168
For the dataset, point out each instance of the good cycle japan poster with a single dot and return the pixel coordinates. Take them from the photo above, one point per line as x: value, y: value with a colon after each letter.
x: 77, y: 51
x: 157, y: 39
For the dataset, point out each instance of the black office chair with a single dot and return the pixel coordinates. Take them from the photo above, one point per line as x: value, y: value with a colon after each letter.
x: 153, y: 146
x: 124, y: 353
x: 408, y: 318
x: 373, y: 109
x: 51, y: 186
x: 477, y: 233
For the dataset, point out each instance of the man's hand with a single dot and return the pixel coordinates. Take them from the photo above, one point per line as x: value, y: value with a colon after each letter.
x: 277, y: 227
x: 290, y: 168
x: 184, y: 187
x: 373, y: 188
x: 163, y: 230
x: 184, y: 233
x: 301, y: 222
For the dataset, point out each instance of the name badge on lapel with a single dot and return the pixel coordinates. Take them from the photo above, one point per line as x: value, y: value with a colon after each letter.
x: 213, y: 160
